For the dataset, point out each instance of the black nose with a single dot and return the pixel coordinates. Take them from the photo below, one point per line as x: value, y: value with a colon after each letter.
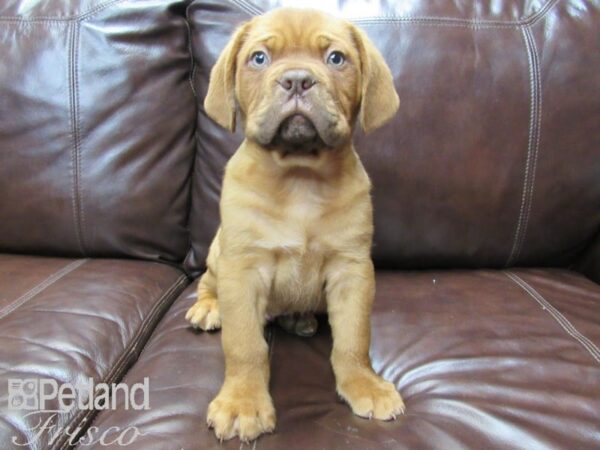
x: 297, y: 81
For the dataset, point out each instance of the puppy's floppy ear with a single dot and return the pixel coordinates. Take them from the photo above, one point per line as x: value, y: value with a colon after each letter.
x: 379, y: 101
x: 220, y: 103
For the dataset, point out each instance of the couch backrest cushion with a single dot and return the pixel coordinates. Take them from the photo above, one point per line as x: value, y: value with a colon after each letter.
x: 494, y: 156
x: 96, y: 128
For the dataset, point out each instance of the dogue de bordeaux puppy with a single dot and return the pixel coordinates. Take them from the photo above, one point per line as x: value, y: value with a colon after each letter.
x: 296, y: 213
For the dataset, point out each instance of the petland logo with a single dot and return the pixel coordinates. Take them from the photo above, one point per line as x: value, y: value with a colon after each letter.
x: 47, y: 406
x: 45, y: 394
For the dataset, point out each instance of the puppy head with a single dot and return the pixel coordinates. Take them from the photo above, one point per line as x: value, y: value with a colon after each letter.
x: 299, y: 79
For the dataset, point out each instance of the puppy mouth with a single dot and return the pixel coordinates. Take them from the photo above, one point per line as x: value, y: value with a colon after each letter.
x: 297, y: 135
x: 297, y: 130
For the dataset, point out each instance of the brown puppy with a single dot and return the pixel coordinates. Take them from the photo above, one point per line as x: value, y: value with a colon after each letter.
x: 296, y: 214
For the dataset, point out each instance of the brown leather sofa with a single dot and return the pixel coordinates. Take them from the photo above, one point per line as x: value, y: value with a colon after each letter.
x: 487, y: 214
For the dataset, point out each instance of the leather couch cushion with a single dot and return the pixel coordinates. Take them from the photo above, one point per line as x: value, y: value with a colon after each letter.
x: 71, y: 319
x: 484, y: 359
x: 492, y: 159
x: 96, y: 130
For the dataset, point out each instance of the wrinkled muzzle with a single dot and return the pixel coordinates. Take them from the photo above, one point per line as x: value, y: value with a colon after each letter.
x: 299, y: 116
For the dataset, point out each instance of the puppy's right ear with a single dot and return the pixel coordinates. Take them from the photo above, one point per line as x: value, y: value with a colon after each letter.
x: 220, y: 103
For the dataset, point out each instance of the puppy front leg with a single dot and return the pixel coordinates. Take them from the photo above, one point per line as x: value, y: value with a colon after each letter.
x: 350, y: 291
x: 243, y: 406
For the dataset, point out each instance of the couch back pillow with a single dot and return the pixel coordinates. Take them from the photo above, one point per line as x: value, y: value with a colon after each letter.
x: 494, y: 156
x: 96, y: 128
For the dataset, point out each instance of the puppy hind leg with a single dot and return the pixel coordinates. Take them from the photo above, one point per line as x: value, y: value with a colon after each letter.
x: 204, y: 314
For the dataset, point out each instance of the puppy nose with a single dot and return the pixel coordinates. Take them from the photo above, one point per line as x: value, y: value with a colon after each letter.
x: 297, y: 81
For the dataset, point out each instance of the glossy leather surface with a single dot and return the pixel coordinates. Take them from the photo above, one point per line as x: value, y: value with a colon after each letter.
x: 487, y: 12
x: 492, y: 159
x: 479, y: 361
x: 96, y: 129
x: 69, y: 320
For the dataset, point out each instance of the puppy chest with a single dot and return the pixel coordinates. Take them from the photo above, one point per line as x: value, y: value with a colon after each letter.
x: 297, y: 281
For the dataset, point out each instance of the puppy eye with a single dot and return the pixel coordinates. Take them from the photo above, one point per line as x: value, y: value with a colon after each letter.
x: 336, y: 59
x: 259, y: 59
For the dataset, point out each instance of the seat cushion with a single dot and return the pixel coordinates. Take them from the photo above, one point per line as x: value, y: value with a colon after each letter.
x: 483, y: 359
x: 69, y: 320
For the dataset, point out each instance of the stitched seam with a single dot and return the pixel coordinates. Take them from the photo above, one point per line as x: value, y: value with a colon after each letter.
x: 557, y: 315
x: 71, y: 120
x: 97, y: 9
x: 192, y: 78
x: 41, y: 287
x: 532, y: 147
x: 537, y: 132
x: 252, y: 9
x: 94, y: 416
x: 113, y: 374
x: 117, y: 370
x: 73, y: 112
x: 536, y: 17
x: 248, y: 7
x: 77, y: 138
x: 454, y: 21
x: 517, y: 232
x: 428, y: 23
x: 192, y: 75
x: 46, y: 19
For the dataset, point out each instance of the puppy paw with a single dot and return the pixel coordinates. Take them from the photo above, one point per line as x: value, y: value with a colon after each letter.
x: 247, y: 415
x: 204, y: 314
x: 304, y: 325
x: 370, y: 396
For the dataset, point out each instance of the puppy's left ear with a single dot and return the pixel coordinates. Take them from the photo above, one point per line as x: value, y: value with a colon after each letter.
x: 379, y: 101
x: 220, y: 103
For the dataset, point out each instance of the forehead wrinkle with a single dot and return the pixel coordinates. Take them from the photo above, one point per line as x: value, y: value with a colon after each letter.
x: 296, y: 32
x: 322, y: 41
x: 264, y: 38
